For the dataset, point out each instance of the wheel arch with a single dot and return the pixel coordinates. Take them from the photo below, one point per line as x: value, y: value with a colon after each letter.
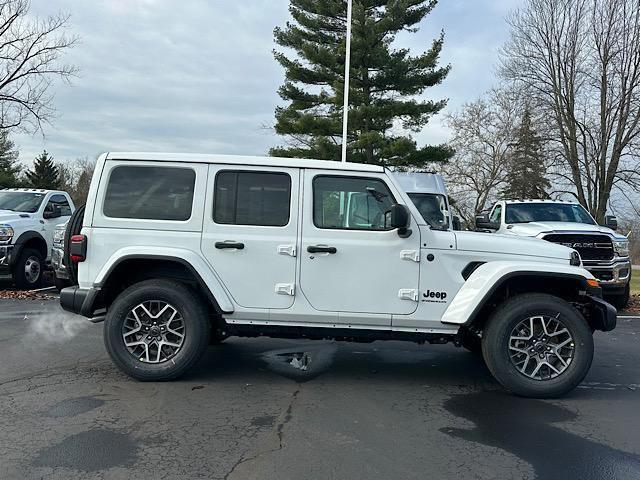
x: 133, y: 268
x: 491, y: 285
x: 30, y: 239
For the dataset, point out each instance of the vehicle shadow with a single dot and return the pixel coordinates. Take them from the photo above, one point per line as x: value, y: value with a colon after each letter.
x: 303, y: 361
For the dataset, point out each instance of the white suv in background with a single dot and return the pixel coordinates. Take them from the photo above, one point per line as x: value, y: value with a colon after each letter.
x: 28, y: 218
x: 176, y: 251
x: 604, y: 252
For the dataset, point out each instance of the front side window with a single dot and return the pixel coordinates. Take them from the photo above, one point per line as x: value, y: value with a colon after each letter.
x: 252, y: 198
x: 547, y: 212
x: 25, y: 202
x: 433, y: 208
x: 351, y: 203
x: 150, y: 193
x: 496, y: 215
x: 62, y: 202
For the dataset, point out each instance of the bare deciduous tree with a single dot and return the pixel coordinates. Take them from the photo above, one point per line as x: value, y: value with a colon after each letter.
x: 30, y: 59
x: 482, y: 132
x: 580, y: 59
x: 75, y: 178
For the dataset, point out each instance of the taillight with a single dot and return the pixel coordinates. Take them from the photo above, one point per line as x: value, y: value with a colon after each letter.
x: 78, y: 248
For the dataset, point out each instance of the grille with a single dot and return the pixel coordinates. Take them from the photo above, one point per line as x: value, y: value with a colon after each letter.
x: 603, y: 275
x: 590, y: 247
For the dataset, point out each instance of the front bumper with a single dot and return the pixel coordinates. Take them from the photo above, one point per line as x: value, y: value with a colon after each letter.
x: 57, y: 254
x: 601, y: 314
x: 82, y: 301
x: 613, y: 275
x: 5, y: 257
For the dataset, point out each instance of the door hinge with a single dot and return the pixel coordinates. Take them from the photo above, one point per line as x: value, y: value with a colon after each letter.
x: 413, y: 255
x: 408, y: 294
x: 287, y: 250
x: 285, y: 289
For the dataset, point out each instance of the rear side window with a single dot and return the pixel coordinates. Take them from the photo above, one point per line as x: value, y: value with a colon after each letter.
x: 252, y: 198
x: 150, y: 193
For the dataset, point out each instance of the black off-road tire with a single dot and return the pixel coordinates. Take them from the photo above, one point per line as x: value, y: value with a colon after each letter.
x: 19, y: 275
x: 495, y: 345
x: 197, y: 329
x: 73, y: 228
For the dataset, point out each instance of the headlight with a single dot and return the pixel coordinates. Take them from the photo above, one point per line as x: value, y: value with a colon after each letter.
x: 58, y: 236
x: 575, y: 259
x: 621, y: 247
x: 6, y: 233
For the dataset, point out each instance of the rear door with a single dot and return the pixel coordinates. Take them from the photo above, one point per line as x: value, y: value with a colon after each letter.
x: 250, y: 232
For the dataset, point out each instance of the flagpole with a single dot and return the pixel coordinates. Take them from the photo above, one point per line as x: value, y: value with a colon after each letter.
x: 347, y: 65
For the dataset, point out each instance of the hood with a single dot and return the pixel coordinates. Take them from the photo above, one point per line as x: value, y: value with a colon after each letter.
x: 533, y: 229
x: 511, y: 245
x: 8, y: 216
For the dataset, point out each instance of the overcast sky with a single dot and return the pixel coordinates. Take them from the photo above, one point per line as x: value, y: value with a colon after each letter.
x: 199, y: 75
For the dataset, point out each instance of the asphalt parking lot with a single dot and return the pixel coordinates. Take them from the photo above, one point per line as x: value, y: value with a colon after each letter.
x: 252, y: 411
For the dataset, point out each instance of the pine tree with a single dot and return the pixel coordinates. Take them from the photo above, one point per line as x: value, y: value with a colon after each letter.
x: 45, y: 173
x: 9, y: 166
x: 384, y: 83
x: 526, y: 172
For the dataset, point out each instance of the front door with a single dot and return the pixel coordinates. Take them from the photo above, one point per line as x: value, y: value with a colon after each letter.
x: 250, y: 232
x: 350, y: 260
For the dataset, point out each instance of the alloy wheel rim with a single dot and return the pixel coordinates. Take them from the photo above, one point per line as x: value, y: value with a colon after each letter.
x: 153, y: 331
x: 541, y: 347
x: 32, y: 269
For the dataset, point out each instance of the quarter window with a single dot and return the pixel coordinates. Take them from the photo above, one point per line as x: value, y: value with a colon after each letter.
x: 150, y: 193
x: 351, y: 203
x: 252, y: 198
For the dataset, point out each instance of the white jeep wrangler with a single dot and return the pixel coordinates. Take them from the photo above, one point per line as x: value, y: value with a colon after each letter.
x: 177, y: 251
x: 28, y: 218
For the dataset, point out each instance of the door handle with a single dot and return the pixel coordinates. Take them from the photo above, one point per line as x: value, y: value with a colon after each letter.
x: 321, y: 249
x: 230, y: 244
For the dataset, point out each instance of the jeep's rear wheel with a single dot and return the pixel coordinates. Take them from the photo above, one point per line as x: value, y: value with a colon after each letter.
x: 538, y: 346
x: 156, y: 330
x: 28, y: 269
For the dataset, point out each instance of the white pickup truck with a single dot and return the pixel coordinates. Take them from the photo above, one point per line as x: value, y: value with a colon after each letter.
x: 28, y: 218
x: 177, y: 251
x: 604, y: 252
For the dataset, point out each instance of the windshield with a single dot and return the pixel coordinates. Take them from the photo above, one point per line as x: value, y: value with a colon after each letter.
x: 433, y: 209
x: 547, y: 212
x: 21, y: 201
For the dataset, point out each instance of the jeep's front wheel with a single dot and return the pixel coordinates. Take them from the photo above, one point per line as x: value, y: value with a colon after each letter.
x: 538, y: 346
x: 156, y: 330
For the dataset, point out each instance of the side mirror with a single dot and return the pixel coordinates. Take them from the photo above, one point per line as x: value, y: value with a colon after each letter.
x: 455, y: 223
x: 483, y: 222
x: 611, y: 222
x: 52, y: 211
x: 400, y: 218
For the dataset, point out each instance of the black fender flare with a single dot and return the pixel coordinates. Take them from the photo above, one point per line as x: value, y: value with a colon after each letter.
x: 199, y: 280
x: 600, y: 313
